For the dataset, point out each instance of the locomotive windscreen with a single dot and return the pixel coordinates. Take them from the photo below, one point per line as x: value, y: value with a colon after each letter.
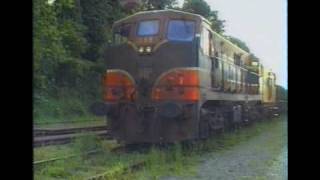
x: 148, y: 28
x: 180, y: 30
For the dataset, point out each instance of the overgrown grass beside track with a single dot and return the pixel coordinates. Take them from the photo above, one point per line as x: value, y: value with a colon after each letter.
x: 70, y: 106
x: 84, y: 122
x: 173, y: 161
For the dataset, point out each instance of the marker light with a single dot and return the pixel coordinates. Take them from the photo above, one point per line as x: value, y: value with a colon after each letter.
x: 141, y: 50
x: 148, y: 49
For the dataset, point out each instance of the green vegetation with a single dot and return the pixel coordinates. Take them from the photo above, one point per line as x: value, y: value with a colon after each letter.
x: 201, y: 7
x: 158, y: 4
x: 74, y: 122
x: 175, y: 160
x: 158, y: 163
x: 69, y: 39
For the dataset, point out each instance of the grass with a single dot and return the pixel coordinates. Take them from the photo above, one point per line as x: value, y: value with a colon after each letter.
x: 66, y: 111
x: 253, y: 178
x: 50, y: 152
x: 81, y: 166
x: 82, y: 122
x: 173, y: 161
x: 158, y: 162
x: 68, y: 106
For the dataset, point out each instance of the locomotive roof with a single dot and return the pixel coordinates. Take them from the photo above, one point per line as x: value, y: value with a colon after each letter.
x: 167, y: 12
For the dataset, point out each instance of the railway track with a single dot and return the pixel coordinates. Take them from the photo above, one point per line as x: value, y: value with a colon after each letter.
x: 46, y: 161
x: 116, y: 149
x: 37, y: 132
x: 45, y: 137
x: 64, y: 122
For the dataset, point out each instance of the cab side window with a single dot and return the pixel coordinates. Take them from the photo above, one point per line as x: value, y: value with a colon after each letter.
x: 122, y: 33
x: 237, y: 59
x: 205, y: 41
x: 211, y: 45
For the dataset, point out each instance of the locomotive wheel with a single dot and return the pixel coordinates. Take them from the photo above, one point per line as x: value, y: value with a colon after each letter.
x: 211, y: 122
x: 216, y: 122
x: 204, y: 124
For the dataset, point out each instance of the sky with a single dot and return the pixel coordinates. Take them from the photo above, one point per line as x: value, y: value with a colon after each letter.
x: 262, y: 25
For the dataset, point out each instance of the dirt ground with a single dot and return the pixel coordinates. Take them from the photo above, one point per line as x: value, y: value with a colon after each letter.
x: 262, y: 157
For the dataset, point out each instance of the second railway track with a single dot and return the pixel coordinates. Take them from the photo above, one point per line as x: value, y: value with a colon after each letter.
x: 44, y: 137
x: 37, y: 132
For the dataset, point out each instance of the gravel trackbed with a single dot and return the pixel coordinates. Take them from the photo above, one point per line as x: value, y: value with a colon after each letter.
x: 262, y: 157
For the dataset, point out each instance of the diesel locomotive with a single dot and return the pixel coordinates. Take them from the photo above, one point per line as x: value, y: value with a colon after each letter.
x: 171, y: 78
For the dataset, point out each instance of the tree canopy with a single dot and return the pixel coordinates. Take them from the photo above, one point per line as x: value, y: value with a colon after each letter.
x: 201, y: 7
x: 158, y: 4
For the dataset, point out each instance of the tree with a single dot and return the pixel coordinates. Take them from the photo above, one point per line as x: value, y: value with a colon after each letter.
x: 201, y: 7
x: 98, y: 16
x: 158, y: 4
x: 216, y: 23
x: 72, y: 29
x: 48, y: 45
x: 197, y: 7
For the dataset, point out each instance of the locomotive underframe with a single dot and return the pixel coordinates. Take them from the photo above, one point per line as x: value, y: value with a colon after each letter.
x: 169, y: 122
x: 132, y: 123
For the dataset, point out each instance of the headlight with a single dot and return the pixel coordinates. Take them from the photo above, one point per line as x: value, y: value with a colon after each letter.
x: 148, y: 49
x: 141, y: 50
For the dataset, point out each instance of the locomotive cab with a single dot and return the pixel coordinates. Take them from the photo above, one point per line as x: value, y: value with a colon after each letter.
x: 148, y: 45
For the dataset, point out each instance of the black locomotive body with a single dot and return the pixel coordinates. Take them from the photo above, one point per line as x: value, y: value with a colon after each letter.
x: 171, y: 78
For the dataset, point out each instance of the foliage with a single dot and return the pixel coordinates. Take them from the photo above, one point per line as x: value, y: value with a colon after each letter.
x: 48, y: 45
x: 198, y: 7
x: 201, y: 7
x: 69, y: 37
x: 99, y: 16
x: 158, y: 4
